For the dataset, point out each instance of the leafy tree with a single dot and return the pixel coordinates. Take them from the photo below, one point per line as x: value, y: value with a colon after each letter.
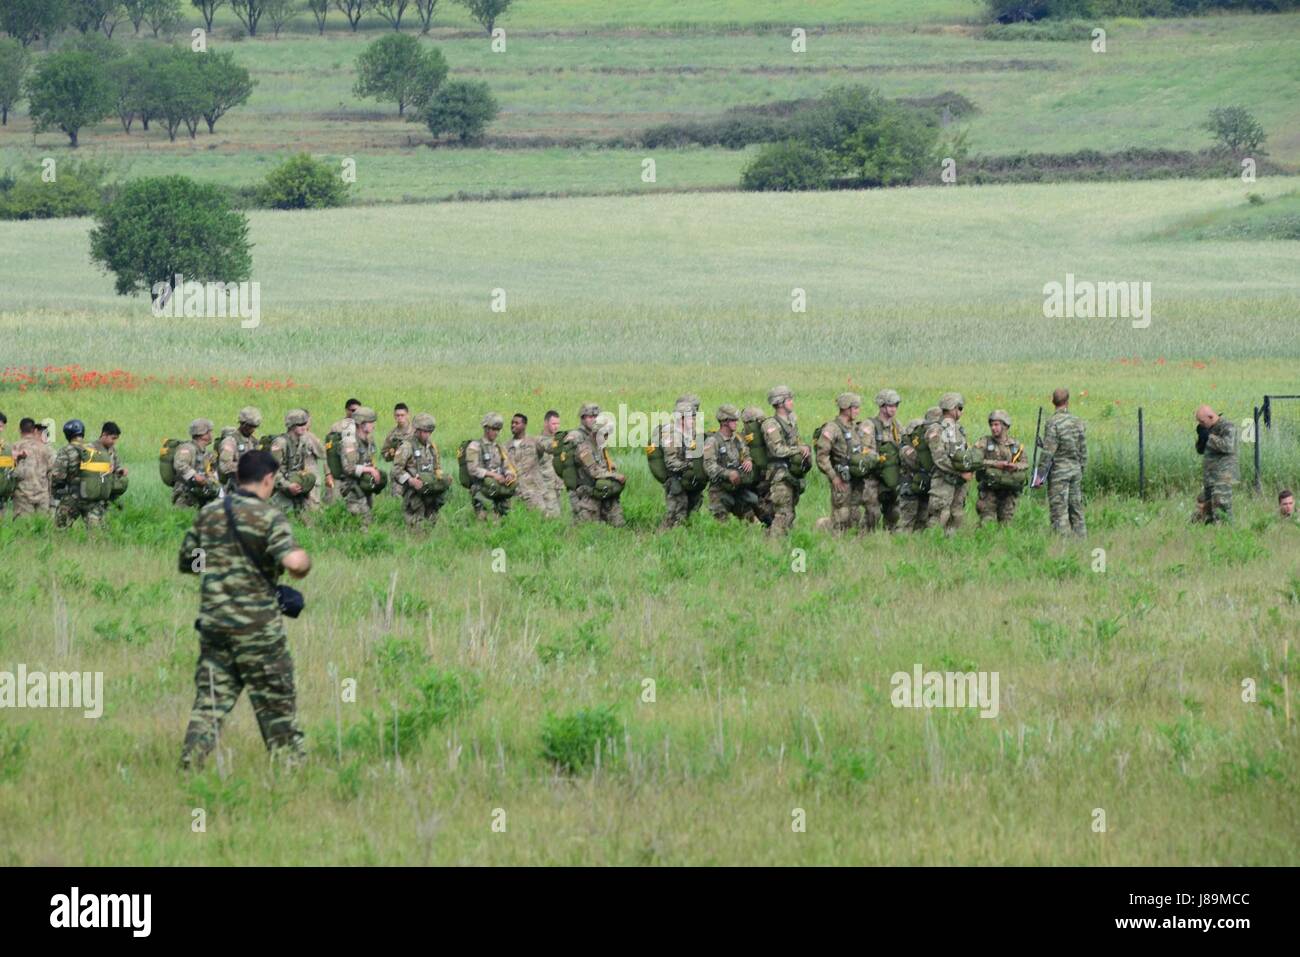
x: 352, y: 9
x: 13, y: 67
x: 177, y: 92
x: 160, y: 226
x: 69, y: 90
x: 319, y: 8
x: 424, y: 10
x: 486, y: 12
x: 163, y: 16
x: 30, y: 20
x: 869, y: 138
x: 136, y: 11
x: 1235, y: 129
x: 789, y: 165
x: 303, y: 183
x: 462, y: 107
x: 280, y: 12
x: 208, y: 9
x: 112, y: 18
x: 225, y: 84
x: 391, y: 10
x: 399, y: 68
x: 249, y: 13
x: 127, y: 74
x: 88, y: 16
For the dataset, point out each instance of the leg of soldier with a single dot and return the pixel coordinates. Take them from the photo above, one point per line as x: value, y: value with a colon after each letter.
x: 695, y: 500
x: 721, y: 504
x: 908, y: 507
x: 611, y: 512
x: 94, y: 514
x: 840, y: 509
x: 502, y: 506
x: 922, y: 511
x: 67, y: 512
x: 942, y: 493
x: 25, y: 506
x: 783, y: 500
x: 584, y: 507
x: 675, y: 505
x: 889, y: 508
x: 857, y: 491
x: 217, y: 684
x: 550, y: 502
x: 358, y: 502
x: 986, y: 505
x: 412, y: 508
x: 1220, y: 499
x: 264, y: 663
x: 1058, y: 493
x: 1007, y: 502
x: 871, y: 513
x: 957, y: 509
x: 1076, y: 506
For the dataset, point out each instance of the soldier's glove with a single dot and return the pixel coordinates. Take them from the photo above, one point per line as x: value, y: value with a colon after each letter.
x: 1202, y: 438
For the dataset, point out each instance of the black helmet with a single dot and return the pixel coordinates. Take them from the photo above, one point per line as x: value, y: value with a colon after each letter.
x: 73, y: 427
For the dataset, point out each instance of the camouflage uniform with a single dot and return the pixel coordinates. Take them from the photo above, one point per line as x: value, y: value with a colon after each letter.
x: 413, y: 456
x: 947, y: 440
x: 528, y: 455
x: 593, y: 463
x: 552, y: 485
x: 482, y: 457
x: 313, y: 454
x: 880, y: 501
x: 723, y: 456
x: 66, y: 478
x: 395, y: 437
x: 680, y: 447
x: 235, y: 442
x: 995, y: 501
x: 343, y: 427
x: 1066, y: 449
x: 32, y: 496
x: 290, y: 453
x: 1218, y: 470
x: 914, y: 481
x: 190, y: 461
x: 356, y: 453
x: 781, y: 436
x: 839, y: 441
x: 241, y: 633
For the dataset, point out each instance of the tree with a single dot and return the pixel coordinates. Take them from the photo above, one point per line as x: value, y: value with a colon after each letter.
x: 790, y: 165
x: 463, y: 107
x: 399, y: 68
x: 208, y: 9
x: 88, y: 16
x: 163, y: 16
x: 249, y: 13
x: 486, y: 12
x: 869, y: 138
x: 112, y: 19
x: 30, y: 20
x: 160, y: 226
x: 127, y: 74
x: 225, y: 84
x: 176, y: 92
x: 13, y: 67
x: 136, y: 11
x: 352, y: 9
x: 69, y: 90
x: 391, y: 10
x: 424, y: 10
x: 319, y: 8
x: 303, y: 183
x: 1235, y: 129
x: 280, y: 12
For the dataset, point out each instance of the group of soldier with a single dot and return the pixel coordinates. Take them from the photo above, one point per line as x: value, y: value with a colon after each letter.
x: 79, y: 480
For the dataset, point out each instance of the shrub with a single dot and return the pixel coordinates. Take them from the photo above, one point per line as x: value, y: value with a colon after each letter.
x: 787, y: 166
x: 463, y: 107
x: 431, y: 698
x: 869, y: 139
x: 302, y: 182
x: 1235, y: 129
x: 570, y: 741
x: 77, y: 190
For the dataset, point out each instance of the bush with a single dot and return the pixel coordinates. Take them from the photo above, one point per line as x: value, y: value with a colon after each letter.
x: 303, y: 183
x: 77, y: 190
x: 1235, y: 129
x: 427, y: 700
x: 1072, y: 31
x: 463, y: 107
x: 787, y: 166
x: 570, y: 741
x: 869, y: 139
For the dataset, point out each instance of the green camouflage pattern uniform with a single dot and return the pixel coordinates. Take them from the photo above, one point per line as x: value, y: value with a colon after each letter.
x: 947, y: 505
x: 65, y: 477
x: 529, y: 455
x: 242, y: 642
x: 553, y: 486
x: 355, y: 453
x: 593, y: 463
x: 840, y: 439
x: 388, y: 451
x: 1066, y: 448
x: 914, y: 478
x: 190, y: 461
x: 1219, y: 470
x: 289, y: 451
x: 233, y: 444
x: 879, y: 501
x: 313, y: 454
x: 32, y: 496
x: 723, y: 460
x: 680, y: 447
x: 414, y: 456
x: 482, y: 457
x: 998, y: 502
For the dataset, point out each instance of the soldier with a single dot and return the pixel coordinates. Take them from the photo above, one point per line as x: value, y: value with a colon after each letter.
x: 360, y: 475
x: 235, y: 441
x: 8, y: 464
x: 592, y: 501
x: 682, y: 493
x: 34, y: 460
x: 313, y: 454
x: 196, y: 480
x: 417, y: 471
x: 528, y: 454
x: 554, y: 490
x: 845, y: 449
x: 1216, y: 441
x: 880, y: 495
x: 79, y: 468
x: 916, y: 468
x: 343, y: 427
x: 399, y: 433
x: 492, y: 476
x: 1002, y: 478
x: 1065, y: 456
x: 787, y: 459
x: 1285, y: 505
x: 730, y: 470
x: 239, y: 546
x: 947, y: 441
x: 292, y: 481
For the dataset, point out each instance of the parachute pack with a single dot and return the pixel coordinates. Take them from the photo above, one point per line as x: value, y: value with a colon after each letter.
x: 862, y: 463
x: 334, y: 454
x: 96, y: 480
x: 566, y: 461
x: 1004, y: 479
x: 751, y: 434
x: 167, y: 460
x: 8, y: 477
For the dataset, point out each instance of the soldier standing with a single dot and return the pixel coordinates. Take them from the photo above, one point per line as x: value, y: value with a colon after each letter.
x: 492, y: 476
x: 880, y: 496
x: 343, y: 427
x: 88, y: 475
x: 787, y: 459
x: 33, y: 461
x: 1216, y: 442
x: 196, y: 480
x: 730, y: 470
x: 235, y: 441
x: 360, y: 475
x: 400, y: 432
x: 239, y: 546
x: 593, y: 465
x: 682, y: 493
x: 553, y: 488
x: 293, y: 480
x: 313, y: 453
x: 845, y: 449
x: 529, y: 454
x: 417, y: 471
x: 1065, y: 456
x: 1002, y: 478
x: 915, y: 470
x: 947, y: 441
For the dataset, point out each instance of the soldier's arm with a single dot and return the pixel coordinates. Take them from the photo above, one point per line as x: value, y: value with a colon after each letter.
x: 400, y: 459
x: 711, y: 467
x: 824, y: 454
x: 508, y: 467
x: 283, y: 550
x: 1222, y: 440
x: 775, y: 441
x: 350, y: 456
x: 184, y: 464
x: 939, y: 450
x: 594, y: 464
x: 474, y: 460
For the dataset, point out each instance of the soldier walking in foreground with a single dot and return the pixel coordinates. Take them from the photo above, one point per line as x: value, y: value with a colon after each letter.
x: 846, y: 451
x: 417, y: 471
x: 529, y: 454
x: 1065, y: 456
x: 916, y: 468
x: 196, y: 475
x: 1216, y: 442
x: 34, y: 459
x: 788, y: 459
x: 598, y: 483
x: 730, y: 471
x: 1002, y: 478
x: 492, y: 477
x: 235, y: 441
x: 239, y: 546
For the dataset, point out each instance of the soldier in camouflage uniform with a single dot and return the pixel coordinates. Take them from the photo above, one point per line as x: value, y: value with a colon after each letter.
x: 235, y: 441
x: 343, y: 427
x: 842, y: 443
x: 593, y: 464
x: 417, y: 471
x: 553, y: 486
x: 727, y: 465
x: 915, y: 473
x: 313, y: 454
x: 400, y: 432
x: 529, y: 454
x: 490, y: 470
x: 292, y: 487
x: 241, y: 632
x: 878, y: 499
x: 357, y: 456
x: 998, y: 496
x: 34, y: 459
x: 947, y: 441
x: 781, y: 436
x: 1216, y: 442
x: 196, y: 477
x: 1065, y: 456
x: 67, y: 472
x: 681, y: 447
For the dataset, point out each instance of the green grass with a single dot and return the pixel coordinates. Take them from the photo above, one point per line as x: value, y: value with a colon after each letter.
x: 1275, y: 219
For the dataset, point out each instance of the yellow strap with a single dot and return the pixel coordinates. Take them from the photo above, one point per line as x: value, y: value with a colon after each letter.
x: 6, y: 461
x: 96, y: 466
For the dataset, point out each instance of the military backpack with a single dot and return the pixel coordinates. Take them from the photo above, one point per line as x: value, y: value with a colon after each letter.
x: 334, y: 454
x: 8, y: 475
x: 751, y: 434
x: 167, y: 460
x: 96, y: 480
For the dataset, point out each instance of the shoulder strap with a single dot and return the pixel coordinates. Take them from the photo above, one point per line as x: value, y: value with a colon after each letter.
x: 248, y: 553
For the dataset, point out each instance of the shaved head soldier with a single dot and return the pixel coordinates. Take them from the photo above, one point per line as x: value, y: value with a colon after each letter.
x: 1065, y: 456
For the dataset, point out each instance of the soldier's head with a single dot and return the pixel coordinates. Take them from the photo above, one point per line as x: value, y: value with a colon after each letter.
x: 727, y: 419
x: 932, y: 415
x: 201, y: 432
x: 351, y: 406
x: 295, y: 421
x: 424, y: 425
x: 684, y: 412
x: 255, y: 473
x: 692, y: 399
x: 401, y: 415
x: 999, y: 423
x: 587, y: 415
x: 849, y: 404
x: 364, y: 417
x: 249, y: 419
x: 1206, y: 416
x: 551, y: 422
x: 1286, y: 503
x: 604, y: 428
x: 74, y: 429
x: 492, y: 423
x: 27, y: 426
x: 888, y: 401
x: 1061, y: 398
x: 781, y: 398
x: 109, y: 434
x: 518, y: 425
x: 951, y: 405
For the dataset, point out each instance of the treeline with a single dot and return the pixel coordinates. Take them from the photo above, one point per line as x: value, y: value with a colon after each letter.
x: 1017, y: 11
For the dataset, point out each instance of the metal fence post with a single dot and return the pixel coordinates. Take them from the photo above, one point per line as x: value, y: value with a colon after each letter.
x: 1259, y: 487
x: 1142, y: 457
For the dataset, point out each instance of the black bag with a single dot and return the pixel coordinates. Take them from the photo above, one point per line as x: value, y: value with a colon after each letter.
x: 290, y: 600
